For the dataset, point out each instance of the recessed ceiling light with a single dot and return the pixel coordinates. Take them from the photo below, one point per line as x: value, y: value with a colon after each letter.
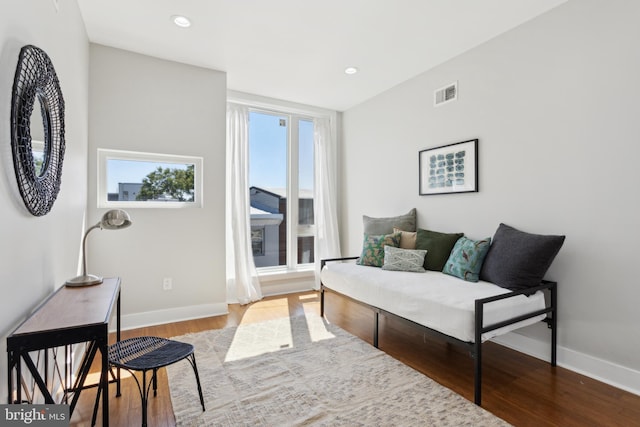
x: 350, y: 70
x: 181, y: 21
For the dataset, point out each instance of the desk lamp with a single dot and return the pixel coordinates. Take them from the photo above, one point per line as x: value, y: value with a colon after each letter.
x: 112, y: 220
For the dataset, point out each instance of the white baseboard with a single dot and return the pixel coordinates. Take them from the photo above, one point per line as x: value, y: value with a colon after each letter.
x: 602, y: 370
x: 179, y: 314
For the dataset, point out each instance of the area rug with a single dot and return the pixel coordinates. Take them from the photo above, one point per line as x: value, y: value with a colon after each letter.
x: 302, y: 371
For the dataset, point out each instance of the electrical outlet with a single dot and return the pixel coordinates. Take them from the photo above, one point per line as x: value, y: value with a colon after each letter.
x: 167, y: 283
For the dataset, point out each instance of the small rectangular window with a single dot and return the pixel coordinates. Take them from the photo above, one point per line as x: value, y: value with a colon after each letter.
x: 257, y: 241
x: 128, y: 179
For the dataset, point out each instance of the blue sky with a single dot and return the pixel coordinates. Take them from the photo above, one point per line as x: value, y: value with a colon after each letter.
x: 267, y: 156
x: 268, y: 152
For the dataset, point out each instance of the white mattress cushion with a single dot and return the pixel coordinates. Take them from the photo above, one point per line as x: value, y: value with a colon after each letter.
x: 432, y: 299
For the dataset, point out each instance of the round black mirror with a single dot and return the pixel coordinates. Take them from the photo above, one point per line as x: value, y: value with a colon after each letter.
x: 37, y: 108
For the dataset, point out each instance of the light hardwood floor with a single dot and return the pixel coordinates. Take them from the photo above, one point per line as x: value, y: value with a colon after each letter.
x: 520, y: 389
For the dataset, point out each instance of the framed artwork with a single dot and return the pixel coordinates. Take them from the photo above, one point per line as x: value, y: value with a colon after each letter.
x: 449, y: 168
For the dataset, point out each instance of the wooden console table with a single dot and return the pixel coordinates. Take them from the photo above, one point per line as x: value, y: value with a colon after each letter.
x: 68, y: 316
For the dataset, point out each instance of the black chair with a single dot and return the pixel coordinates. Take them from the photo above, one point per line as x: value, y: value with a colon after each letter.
x: 148, y: 354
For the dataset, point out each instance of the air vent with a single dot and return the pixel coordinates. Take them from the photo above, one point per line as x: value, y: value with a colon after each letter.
x: 446, y: 94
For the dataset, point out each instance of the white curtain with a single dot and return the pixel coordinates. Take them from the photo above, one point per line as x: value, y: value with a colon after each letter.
x: 325, y: 197
x: 242, y: 277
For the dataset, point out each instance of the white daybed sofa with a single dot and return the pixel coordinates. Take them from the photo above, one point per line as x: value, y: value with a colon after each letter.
x: 459, y: 311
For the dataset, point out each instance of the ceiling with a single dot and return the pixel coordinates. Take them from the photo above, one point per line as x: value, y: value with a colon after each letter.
x: 297, y: 50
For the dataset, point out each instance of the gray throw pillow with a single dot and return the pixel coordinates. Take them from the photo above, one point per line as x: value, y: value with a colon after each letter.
x: 378, y: 226
x: 517, y: 260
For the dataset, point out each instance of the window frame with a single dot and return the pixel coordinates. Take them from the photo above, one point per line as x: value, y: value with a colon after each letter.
x: 104, y: 155
x: 294, y: 230
x: 274, y: 276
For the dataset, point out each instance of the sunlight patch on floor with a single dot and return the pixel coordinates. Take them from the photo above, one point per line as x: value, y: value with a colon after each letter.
x: 287, y: 333
x: 266, y: 309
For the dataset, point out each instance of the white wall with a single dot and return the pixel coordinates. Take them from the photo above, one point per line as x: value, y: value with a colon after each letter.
x: 37, y: 254
x: 555, y: 106
x: 140, y: 103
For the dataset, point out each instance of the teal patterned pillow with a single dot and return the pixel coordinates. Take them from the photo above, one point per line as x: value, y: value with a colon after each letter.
x: 398, y: 259
x: 466, y: 258
x: 373, y: 248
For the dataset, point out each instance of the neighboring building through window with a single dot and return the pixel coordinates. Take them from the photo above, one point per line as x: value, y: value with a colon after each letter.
x: 281, y: 176
x: 133, y: 179
x: 128, y: 191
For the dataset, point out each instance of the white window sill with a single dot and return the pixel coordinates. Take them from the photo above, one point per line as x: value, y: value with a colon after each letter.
x: 268, y: 275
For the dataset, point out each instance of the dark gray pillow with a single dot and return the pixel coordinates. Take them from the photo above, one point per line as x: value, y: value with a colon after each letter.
x: 378, y: 226
x: 517, y: 260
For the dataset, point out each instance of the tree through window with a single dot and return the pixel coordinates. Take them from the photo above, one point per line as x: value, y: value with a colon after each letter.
x: 132, y: 179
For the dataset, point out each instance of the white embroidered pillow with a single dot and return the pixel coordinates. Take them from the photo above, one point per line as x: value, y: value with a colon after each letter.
x: 398, y: 259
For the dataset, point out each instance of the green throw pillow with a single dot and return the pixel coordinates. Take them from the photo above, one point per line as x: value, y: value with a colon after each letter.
x: 466, y: 258
x: 373, y: 248
x: 438, y: 247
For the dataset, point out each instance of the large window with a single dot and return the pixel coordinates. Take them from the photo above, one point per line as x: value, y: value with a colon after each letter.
x: 134, y: 179
x: 281, y: 180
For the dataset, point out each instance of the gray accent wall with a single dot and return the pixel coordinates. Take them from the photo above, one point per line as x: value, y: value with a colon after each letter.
x: 140, y: 103
x: 554, y: 104
x: 37, y: 254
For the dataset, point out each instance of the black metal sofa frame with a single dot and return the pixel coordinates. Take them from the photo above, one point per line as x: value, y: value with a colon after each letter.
x: 474, y: 348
